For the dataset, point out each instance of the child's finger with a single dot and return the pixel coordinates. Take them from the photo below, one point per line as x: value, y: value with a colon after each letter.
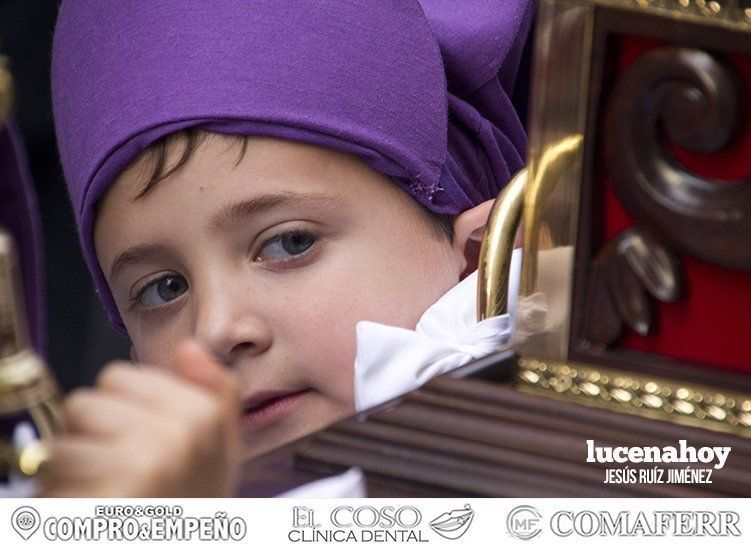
x: 194, y: 363
x: 153, y: 387
x: 197, y: 394
x: 102, y: 414
x: 74, y: 460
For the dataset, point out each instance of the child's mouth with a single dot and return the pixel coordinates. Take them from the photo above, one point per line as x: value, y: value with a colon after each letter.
x: 266, y: 407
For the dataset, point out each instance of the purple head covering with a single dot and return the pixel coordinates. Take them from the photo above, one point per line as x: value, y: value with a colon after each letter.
x: 419, y: 90
x: 20, y: 216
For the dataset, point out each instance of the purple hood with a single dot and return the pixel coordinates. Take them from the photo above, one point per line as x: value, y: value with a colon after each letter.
x: 362, y: 76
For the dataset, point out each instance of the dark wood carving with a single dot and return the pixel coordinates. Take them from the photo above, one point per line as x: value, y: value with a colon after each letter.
x: 696, y: 100
x: 630, y: 266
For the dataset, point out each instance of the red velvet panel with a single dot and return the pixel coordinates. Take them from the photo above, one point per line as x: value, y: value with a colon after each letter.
x: 712, y: 324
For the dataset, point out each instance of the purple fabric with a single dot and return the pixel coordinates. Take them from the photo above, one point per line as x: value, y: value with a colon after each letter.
x: 419, y: 90
x: 20, y: 216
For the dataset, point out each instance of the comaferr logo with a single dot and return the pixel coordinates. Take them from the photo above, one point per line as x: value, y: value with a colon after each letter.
x: 668, y: 523
x: 524, y: 522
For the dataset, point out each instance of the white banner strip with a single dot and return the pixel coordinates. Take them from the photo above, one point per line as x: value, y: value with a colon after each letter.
x: 284, y: 521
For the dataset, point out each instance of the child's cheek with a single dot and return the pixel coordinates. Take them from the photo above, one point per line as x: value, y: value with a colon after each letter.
x: 332, y: 361
x: 155, y: 341
x: 324, y: 339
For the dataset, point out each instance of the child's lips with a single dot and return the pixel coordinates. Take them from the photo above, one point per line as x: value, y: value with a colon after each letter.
x: 266, y: 407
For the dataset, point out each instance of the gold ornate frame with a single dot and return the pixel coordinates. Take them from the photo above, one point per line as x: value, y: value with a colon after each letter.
x: 568, y: 74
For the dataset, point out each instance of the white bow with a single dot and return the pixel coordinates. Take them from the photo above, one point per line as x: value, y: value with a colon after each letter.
x: 392, y: 361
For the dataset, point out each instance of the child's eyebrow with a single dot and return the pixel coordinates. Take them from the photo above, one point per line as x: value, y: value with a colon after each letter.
x: 235, y: 211
x: 133, y: 255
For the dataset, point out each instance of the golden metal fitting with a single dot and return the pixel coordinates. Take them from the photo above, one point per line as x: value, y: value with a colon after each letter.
x: 6, y: 89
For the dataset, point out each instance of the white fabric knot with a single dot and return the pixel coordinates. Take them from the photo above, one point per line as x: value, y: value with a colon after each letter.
x: 392, y: 361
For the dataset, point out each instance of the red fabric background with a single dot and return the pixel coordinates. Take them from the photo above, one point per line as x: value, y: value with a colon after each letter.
x: 712, y: 324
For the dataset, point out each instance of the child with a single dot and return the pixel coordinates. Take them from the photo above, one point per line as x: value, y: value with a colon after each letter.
x: 262, y: 177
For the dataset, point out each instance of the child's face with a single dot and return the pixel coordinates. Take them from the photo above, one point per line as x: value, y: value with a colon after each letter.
x: 271, y: 262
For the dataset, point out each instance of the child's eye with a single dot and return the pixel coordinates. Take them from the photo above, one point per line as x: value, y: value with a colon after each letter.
x: 287, y: 245
x: 162, y: 290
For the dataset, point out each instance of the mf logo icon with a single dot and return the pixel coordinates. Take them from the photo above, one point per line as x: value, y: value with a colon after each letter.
x: 524, y: 522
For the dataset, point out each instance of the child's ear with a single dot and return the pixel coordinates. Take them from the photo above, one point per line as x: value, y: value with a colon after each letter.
x: 133, y: 354
x: 469, y: 227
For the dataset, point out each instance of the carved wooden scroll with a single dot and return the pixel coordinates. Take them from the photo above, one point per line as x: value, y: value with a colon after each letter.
x: 696, y: 100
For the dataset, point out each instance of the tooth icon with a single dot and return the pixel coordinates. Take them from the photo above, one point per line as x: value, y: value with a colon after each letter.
x: 454, y: 524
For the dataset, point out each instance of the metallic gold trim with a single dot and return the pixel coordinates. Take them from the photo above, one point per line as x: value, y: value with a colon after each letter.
x: 6, y: 89
x: 555, y: 162
x: 33, y: 458
x: 14, y: 336
x: 497, y: 246
x: 24, y: 382
x: 562, y: 62
x: 731, y: 14
x: 639, y: 394
x: 27, y: 390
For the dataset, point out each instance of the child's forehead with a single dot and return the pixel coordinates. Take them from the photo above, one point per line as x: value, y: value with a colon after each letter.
x: 241, y: 177
x: 256, y: 164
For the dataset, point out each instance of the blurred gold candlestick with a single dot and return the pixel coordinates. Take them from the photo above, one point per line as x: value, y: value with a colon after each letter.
x: 29, y: 399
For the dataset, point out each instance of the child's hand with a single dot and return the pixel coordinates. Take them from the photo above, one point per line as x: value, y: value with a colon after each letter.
x: 144, y: 432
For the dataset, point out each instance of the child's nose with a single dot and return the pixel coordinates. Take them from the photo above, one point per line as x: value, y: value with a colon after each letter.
x: 230, y: 333
x: 241, y: 349
x: 235, y: 340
